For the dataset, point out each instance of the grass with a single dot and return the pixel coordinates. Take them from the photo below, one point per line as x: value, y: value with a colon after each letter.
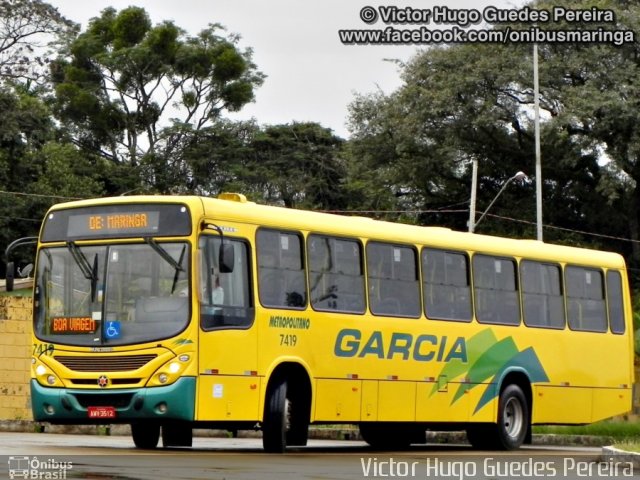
x: 628, y: 446
x: 619, y: 431
x: 24, y: 292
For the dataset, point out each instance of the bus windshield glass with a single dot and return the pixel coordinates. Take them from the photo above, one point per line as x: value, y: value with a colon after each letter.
x: 109, y: 295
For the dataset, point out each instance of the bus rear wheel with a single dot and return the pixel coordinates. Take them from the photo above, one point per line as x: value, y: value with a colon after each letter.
x: 512, y: 427
x: 513, y: 418
x: 145, y: 435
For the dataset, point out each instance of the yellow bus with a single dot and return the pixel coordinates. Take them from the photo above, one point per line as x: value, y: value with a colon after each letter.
x: 170, y: 313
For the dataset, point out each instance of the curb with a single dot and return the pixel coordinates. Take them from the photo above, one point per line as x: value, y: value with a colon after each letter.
x: 617, y: 455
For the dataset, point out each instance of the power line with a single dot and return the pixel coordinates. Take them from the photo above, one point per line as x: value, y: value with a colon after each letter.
x: 553, y: 227
x: 24, y: 194
x: 382, y: 212
x: 4, y: 217
x: 500, y: 217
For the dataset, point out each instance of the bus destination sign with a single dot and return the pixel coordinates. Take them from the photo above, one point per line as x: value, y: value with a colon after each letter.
x: 114, y: 223
x: 73, y: 325
x: 117, y: 221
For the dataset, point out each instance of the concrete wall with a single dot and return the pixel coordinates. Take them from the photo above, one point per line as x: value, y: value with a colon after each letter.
x: 15, y: 354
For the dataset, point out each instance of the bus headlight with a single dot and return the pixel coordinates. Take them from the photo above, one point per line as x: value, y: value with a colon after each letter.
x: 170, y: 371
x: 44, y: 375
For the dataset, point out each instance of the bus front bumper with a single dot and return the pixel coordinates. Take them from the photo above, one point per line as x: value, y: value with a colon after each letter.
x: 73, y: 406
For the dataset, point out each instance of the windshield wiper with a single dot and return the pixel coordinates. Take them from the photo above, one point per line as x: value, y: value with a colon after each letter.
x: 90, y: 272
x: 168, y: 258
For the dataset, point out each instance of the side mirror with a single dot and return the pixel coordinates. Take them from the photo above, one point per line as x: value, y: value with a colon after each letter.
x: 26, y: 271
x: 10, y: 276
x: 226, y: 258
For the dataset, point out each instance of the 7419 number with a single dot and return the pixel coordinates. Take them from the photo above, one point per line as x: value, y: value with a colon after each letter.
x: 288, y: 340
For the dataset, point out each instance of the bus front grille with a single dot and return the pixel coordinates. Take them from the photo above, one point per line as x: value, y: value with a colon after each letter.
x: 113, y: 363
x: 113, y: 381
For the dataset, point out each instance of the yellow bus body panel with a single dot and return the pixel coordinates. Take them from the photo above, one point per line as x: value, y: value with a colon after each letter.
x: 355, y: 374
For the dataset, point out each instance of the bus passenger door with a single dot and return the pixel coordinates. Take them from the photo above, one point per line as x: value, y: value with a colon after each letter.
x: 228, y: 385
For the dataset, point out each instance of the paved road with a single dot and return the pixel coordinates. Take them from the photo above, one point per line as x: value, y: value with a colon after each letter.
x: 102, y: 457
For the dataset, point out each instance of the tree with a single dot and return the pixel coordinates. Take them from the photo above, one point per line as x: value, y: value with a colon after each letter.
x: 37, y: 168
x: 297, y: 165
x: 208, y: 161
x: 597, y: 88
x: 132, y: 92
x: 423, y: 137
x: 27, y: 29
x: 473, y: 101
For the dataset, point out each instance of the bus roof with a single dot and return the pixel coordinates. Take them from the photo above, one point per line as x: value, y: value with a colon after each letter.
x: 235, y: 208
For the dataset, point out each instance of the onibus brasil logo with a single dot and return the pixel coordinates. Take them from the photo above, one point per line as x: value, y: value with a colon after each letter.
x: 34, y: 468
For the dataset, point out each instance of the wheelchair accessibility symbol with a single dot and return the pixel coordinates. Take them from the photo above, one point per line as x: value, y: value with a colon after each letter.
x: 112, y: 329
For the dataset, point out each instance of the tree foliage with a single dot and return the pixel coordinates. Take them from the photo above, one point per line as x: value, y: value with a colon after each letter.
x: 464, y: 102
x: 141, y: 107
x: 132, y: 91
x: 297, y: 165
x: 596, y: 89
x: 37, y: 168
x: 29, y: 30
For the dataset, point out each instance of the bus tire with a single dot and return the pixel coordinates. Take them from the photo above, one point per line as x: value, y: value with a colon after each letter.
x: 513, y: 418
x: 145, y: 435
x: 298, y: 413
x: 177, y: 435
x: 383, y: 436
x: 482, y: 436
x: 275, y: 421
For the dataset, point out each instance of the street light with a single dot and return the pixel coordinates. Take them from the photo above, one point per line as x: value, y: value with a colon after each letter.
x: 472, y: 223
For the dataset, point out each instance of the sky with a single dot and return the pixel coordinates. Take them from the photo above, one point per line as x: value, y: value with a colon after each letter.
x: 311, y: 75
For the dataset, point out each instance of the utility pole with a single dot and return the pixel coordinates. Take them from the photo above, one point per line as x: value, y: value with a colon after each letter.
x: 536, y: 103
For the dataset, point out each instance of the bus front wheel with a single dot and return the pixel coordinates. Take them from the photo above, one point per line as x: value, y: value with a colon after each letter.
x: 145, y: 435
x: 275, y: 422
x: 286, y: 415
x: 177, y: 435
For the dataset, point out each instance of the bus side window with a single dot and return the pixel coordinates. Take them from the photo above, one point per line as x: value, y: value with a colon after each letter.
x: 225, y: 298
x: 393, y: 280
x: 336, y: 277
x: 585, y: 299
x: 614, y: 301
x: 543, y: 302
x: 281, y: 272
x: 496, y: 290
x: 446, y: 286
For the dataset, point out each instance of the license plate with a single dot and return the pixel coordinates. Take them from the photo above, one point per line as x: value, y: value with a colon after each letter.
x: 101, y: 412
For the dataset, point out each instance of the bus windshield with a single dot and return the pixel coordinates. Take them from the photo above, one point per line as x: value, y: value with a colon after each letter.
x: 89, y: 295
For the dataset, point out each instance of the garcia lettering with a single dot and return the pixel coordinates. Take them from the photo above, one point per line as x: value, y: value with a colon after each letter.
x: 422, y: 348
